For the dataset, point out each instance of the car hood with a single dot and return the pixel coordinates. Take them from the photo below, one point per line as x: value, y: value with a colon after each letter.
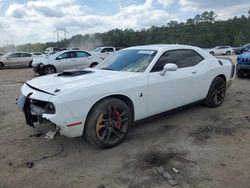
x: 55, y: 84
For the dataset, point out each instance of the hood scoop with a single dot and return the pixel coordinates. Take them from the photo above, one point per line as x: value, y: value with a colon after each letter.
x: 74, y: 72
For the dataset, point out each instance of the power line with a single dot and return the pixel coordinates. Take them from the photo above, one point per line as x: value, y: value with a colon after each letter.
x: 61, y: 33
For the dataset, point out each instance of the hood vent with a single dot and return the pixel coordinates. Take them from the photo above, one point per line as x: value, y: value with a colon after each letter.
x: 74, y: 72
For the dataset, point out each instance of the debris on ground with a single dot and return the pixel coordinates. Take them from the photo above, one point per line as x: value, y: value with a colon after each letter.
x: 51, y: 134
x: 166, y: 176
x: 29, y: 164
x: 175, y: 170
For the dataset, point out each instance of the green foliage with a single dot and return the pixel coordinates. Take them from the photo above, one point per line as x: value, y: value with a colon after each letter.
x: 202, y: 30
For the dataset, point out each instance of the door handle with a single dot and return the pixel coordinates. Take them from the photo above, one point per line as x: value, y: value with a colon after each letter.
x: 194, y: 72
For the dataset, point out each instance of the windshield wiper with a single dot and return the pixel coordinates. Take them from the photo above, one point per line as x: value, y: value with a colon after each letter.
x: 107, y: 69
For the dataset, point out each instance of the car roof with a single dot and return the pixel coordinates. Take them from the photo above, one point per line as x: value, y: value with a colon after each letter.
x: 160, y: 47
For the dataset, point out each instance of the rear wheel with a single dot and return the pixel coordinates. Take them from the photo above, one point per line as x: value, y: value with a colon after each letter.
x: 49, y: 69
x: 228, y: 53
x: 108, y: 123
x: 216, y: 93
x: 1, y: 65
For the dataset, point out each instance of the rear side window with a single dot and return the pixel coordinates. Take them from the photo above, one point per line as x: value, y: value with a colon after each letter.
x: 182, y: 58
x: 25, y: 55
x: 81, y: 54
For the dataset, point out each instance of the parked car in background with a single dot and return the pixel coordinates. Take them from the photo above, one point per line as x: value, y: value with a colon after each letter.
x: 63, y: 60
x: 102, y: 103
x: 16, y: 59
x: 243, y: 64
x: 104, y: 52
x: 221, y: 50
x: 51, y: 49
x: 242, y: 49
x: 1, y: 54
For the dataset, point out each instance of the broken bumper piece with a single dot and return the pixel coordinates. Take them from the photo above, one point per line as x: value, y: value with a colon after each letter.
x: 34, y: 109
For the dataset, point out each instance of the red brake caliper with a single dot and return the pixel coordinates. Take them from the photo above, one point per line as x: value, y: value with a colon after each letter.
x: 118, y: 120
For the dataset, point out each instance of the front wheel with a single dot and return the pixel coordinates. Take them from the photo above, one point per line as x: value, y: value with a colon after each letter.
x: 108, y: 123
x: 49, y: 70
x: 216, y: 93
x: 30, y: 64
x: 228, y: 53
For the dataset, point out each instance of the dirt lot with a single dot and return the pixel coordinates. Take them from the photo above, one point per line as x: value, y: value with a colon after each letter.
x: 210, y: 147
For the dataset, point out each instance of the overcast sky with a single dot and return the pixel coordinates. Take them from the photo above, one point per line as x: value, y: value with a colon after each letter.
x: 23, y: 21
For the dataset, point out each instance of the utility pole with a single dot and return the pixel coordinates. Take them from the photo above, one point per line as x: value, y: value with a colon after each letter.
x: 58, y: 33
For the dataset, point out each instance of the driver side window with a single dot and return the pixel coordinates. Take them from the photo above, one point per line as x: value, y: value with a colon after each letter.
x: 182, y: 58
x: 68, y: 55
x: 14, y: 55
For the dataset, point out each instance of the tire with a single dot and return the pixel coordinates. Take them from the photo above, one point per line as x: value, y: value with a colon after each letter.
x: 30, y: 64
x: 1, y: 65
x: 212, y: 53
x: 108, y: 123
x: 228, y: 53
x: 49, y: 69
x: 93, y: 65
x: 216, y: 93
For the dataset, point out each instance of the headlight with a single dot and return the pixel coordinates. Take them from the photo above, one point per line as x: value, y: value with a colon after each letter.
x: 41, y: 107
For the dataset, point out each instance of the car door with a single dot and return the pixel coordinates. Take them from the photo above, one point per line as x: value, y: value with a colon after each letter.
x: 84, y: 59
x: 221, y: 50
x: 24, y: 59
x: 176, y: 88
x: 66, y: 61
x: 12, y: 59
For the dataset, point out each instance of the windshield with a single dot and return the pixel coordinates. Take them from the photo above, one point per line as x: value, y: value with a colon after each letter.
x: 98, y: 50
x: 128, y: 60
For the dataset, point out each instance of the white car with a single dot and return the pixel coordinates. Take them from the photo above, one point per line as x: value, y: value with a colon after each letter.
x: 133, y: 84
x: 63, y: 60
x: 104, y: 52
x: 16, y: 59
x: 221, y: 50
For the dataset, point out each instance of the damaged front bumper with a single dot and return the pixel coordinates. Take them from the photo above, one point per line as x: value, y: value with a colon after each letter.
x: 34, y: 109
x: 42, y: 107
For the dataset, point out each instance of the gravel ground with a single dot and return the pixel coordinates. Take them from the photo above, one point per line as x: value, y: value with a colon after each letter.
x: 210, y: 147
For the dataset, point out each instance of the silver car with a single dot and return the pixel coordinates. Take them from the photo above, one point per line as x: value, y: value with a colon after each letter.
x: 63, y: 60
x: 16, y: 59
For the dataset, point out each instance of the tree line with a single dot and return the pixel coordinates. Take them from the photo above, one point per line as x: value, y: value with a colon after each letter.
x: 202, y: 30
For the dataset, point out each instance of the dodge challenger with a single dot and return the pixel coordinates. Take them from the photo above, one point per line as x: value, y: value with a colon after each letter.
x: 133, y: 84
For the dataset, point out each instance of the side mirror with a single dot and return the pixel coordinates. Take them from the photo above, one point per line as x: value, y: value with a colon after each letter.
x: 168, y: 67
